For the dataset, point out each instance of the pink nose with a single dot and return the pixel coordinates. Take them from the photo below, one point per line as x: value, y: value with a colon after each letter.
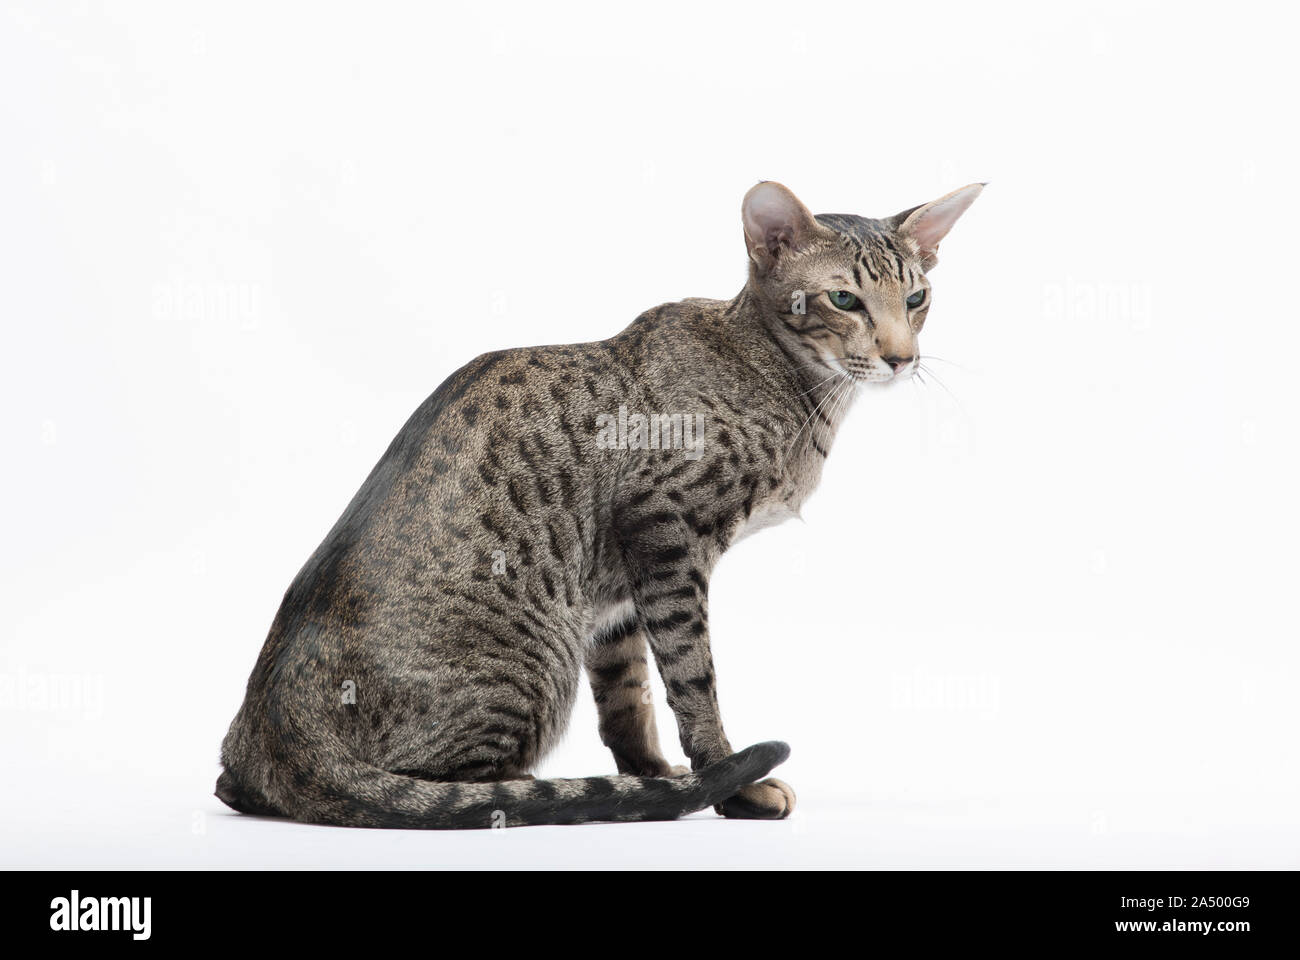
x: 897, y: 363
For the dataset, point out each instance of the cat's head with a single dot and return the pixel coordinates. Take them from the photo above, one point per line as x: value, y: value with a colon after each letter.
x: 852, y: 289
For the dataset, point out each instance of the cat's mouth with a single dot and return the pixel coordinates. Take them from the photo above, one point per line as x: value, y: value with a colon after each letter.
x: 877, y: 369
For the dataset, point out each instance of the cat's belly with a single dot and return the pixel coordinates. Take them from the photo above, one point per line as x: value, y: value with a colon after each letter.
x: 609, y: 615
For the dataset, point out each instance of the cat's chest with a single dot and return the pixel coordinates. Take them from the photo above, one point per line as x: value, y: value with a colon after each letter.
x: 784, y: 494
x: 765, y: 514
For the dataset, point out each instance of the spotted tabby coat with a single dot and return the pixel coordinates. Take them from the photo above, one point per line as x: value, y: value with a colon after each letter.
x: 428, y: 654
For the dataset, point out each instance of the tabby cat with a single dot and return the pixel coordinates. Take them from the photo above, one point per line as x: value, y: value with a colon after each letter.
x: 554, y: 509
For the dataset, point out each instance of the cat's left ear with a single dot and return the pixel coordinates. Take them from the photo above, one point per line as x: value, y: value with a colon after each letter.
x: 929, y: 223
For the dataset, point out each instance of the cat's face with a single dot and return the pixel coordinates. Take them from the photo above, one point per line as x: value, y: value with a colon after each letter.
x: 854, y: 290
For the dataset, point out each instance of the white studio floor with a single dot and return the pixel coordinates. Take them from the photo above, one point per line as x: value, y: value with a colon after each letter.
x: 171, y: 828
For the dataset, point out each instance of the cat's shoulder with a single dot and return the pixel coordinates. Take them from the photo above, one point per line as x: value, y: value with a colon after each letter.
x: 676, y: 315
x: 689, y: 307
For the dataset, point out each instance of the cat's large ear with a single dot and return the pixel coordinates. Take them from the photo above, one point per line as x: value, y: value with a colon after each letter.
x: 775, y: 223
x: 929, y: 223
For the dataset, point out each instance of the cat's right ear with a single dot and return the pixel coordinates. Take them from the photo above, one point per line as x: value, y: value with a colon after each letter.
x: 776, y: 223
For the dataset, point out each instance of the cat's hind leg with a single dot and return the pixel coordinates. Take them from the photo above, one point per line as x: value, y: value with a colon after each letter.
x: 620, y: 680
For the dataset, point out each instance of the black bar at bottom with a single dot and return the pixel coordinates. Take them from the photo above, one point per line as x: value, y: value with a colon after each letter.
x: 1233, y: 910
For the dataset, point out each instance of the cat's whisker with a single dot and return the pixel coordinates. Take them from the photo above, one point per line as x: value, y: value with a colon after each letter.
x: 850, y: 391
x: 833, y: 410
x: 846, y: 398
x: 828, y: 401
x: 799, y: 432
x: 815, y: 386
x: 815, y: 366
x: 931, y: 356
x: 943, y: 386
x: 820, y: 363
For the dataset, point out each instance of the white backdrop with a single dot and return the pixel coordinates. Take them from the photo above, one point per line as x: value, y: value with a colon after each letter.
x: 239, y: 245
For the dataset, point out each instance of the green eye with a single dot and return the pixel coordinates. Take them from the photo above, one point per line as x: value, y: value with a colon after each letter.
x: 843, y: 299
x: 916, y: 299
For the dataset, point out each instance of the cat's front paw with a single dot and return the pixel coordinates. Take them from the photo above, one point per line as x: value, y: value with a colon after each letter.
x: 658, y: 768
x: 769, y: 799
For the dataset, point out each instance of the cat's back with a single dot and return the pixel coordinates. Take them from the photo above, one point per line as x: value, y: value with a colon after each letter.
x: 505, y: 443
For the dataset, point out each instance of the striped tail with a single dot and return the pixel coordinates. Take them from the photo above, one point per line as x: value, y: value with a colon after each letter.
x: 356, y: 794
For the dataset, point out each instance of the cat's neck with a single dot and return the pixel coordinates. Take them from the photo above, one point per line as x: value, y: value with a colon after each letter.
x: 817, y: 396
x: 766, y: 337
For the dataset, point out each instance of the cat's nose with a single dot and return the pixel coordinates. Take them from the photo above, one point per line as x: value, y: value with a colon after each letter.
x: 897, y: 363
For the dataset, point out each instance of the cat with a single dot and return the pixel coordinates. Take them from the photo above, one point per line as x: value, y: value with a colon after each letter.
x: 524, y: 526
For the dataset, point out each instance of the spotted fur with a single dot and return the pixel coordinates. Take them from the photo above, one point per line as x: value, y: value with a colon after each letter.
x: 428, y: 654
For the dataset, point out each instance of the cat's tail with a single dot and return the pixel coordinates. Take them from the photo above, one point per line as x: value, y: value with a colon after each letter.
x: 349, y: 792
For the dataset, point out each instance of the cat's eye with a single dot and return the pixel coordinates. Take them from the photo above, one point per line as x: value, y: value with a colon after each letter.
x: 916, y: 299
x: 843, y: 299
